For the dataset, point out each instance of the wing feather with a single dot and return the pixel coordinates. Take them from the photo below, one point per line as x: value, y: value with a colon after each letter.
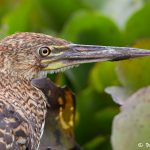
x: 14, y: 129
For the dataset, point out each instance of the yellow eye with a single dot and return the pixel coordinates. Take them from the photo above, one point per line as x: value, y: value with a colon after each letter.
x: 44, y: 51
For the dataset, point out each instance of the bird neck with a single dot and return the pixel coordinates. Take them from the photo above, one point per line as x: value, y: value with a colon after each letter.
x: 16, y: 75
x: 21, y: 93
x: 28, y: 101
x: 19, y: 85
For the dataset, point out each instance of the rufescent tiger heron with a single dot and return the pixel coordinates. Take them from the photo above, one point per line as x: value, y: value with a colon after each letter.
x: 26, y: 56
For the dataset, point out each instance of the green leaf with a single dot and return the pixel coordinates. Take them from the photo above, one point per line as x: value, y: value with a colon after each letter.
x: 104, y: 118
x: 89, y: 104
x: 39, y: 20
x: 138, y: 25
x: 92, y: 28
x: 86, y: 107
x: 26, y: 16
x: 95, y: 143
x: 17, y: 20
x: 60, y: 10
x: 79, y: 76
x: 103, y: 75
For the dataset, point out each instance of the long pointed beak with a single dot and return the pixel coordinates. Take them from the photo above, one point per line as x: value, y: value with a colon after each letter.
x: 92, y: 53
x: 75, y: 54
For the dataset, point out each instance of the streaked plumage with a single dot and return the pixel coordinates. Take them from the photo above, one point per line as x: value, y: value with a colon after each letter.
x: 23, y: 110
x: 22, y: 106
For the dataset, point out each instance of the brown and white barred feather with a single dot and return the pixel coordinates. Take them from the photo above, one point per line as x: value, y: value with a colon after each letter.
x: 22, y: 114
x: 14, y: 129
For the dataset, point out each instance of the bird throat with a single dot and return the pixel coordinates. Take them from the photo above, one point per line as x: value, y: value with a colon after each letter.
x: 44, y: 73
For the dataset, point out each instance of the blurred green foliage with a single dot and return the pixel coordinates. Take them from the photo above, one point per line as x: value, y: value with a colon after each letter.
x: 102, y: 22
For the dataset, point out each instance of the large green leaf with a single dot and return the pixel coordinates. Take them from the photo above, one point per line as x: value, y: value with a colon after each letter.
x: 6, y: 6
x: 138, y: 25
x: 26, y: 16
x: 86, y: 107
x: 104, y: 117
x: 92, y: 28
x: 39, y: 20
x: 92, y: 111
x: 17, y: 20
x: 60, y: 10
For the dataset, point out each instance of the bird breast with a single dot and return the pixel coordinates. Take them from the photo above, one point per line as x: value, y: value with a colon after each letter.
x: 27, y: 101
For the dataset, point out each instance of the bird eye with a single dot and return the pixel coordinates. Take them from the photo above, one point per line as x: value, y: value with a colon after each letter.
x: 44, y: 51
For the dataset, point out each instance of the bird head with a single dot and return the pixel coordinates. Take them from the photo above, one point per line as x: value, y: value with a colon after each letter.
x: 29, y: 54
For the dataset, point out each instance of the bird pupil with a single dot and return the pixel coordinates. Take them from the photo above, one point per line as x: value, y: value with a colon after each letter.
x: 45, y: 51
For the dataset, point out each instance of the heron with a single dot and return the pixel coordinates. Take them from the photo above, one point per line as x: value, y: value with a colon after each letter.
x: 26, y: 56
